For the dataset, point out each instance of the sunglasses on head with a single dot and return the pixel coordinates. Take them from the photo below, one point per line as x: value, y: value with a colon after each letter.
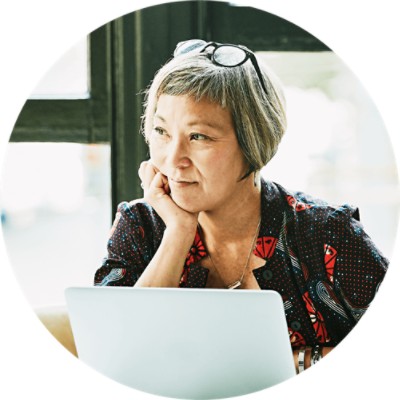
x: 222, y: 54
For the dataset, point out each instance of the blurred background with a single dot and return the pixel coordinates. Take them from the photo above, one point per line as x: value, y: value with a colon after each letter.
x: 76, y: 147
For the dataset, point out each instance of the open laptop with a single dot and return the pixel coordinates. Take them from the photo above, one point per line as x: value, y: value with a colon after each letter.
x: 183, y: 343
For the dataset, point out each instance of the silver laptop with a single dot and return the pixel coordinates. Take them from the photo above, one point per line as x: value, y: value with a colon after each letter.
x: 183, y: 343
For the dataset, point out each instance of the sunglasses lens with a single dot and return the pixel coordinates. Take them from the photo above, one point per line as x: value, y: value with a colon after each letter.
x: 188, y: 46
x: 229, y: 56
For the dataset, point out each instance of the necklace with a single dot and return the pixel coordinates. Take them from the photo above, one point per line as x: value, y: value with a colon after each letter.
x: 237, y: 283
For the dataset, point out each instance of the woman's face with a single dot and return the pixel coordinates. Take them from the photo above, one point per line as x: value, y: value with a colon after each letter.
x: 195, y: 146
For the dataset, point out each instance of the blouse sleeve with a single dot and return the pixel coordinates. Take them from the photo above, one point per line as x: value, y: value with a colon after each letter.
x: 127, y: 250
x: 353, y: 263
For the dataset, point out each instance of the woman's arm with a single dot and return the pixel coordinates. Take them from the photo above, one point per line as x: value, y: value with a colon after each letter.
x: 165, y: 269
x: 139, y: 244
x: 130, y: 260
x: 307, y: 356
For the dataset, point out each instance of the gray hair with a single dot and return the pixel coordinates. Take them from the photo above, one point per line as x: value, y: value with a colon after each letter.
x: 259, y: 119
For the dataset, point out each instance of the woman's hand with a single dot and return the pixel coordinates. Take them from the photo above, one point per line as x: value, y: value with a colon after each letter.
x: 157, y: 194
x: 165, y: 268
x: 307, y: 356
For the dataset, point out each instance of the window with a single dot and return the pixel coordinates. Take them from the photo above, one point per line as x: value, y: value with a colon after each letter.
x: 336, y: 146
x: 93, y: 128
x: 68, y: 78
x: 77, y: 109
x: 56, y: 215
x: 56, y: 201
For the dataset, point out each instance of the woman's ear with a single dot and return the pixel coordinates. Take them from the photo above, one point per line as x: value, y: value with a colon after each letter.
x: 257, y: 179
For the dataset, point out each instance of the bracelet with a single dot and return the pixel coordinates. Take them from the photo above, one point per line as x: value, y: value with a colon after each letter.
x: 316, y: 354
x: 300, y: 359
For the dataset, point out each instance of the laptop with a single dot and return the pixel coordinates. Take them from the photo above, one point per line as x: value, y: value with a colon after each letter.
x: 183, y: 343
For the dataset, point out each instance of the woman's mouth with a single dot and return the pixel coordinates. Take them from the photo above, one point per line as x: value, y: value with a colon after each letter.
x: 180, y: 183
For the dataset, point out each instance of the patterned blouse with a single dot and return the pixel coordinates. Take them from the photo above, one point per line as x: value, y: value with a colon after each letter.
x: 317, y: 256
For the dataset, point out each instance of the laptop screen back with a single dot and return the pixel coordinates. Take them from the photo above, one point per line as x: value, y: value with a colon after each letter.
x: 183, y: 343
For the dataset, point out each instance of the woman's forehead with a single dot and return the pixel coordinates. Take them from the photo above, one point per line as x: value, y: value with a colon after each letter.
x: 191, y: 111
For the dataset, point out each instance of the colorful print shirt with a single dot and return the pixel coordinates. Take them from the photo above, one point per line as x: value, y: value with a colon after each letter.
x: 317, y: 256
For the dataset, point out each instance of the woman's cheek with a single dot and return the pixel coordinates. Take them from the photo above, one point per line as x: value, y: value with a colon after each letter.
x: 156, y: 158
x: 153, y: 148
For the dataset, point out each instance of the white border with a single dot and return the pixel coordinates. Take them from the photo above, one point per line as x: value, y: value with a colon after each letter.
x: 34, y: 34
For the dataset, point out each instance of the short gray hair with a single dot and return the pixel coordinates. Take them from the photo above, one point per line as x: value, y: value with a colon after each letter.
x: 259, y: 119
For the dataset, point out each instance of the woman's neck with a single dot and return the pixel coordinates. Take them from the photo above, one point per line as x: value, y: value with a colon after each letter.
x: 236, y: 219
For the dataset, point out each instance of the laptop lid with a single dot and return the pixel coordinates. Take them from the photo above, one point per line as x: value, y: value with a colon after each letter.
x: 183, y: 343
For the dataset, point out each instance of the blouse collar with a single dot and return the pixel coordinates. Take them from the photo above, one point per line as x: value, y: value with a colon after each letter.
x: 272, y: 208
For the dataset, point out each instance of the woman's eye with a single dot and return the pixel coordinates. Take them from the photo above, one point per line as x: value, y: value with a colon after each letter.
x: 198, y: 136
x: 159, y: 131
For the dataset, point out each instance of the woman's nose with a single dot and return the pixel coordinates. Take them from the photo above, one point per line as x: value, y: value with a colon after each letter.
x: 179, y: 156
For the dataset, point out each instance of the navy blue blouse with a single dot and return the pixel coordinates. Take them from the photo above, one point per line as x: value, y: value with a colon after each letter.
x: 317, y: 256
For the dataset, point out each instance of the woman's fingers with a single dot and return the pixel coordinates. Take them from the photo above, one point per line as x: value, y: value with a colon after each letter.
x: 157, y: 194
x: 158, y: 183
x: 146, y: 172
x: 151, y: 177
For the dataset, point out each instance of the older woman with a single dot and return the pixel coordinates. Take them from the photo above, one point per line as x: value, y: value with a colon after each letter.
x: 214, y: 117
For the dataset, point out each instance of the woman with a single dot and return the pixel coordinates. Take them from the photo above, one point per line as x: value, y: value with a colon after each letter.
x: 213, y: 119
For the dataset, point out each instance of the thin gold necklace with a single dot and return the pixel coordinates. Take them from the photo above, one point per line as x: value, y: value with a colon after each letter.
x: 237, y: 283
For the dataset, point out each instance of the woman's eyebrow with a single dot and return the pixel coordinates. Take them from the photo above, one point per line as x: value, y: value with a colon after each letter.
x: 159, y: 117
x: 211, y: 124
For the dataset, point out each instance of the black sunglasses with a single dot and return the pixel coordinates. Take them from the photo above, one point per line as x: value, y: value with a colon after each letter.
x: 222, y: 54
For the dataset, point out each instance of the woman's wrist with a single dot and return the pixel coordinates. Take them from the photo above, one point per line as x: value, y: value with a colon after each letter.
x: 305, y: 357
x: 182, y: 232
x: 166, y: 267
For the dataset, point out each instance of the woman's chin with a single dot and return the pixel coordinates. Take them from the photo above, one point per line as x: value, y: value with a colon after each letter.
x: 188, y: 205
